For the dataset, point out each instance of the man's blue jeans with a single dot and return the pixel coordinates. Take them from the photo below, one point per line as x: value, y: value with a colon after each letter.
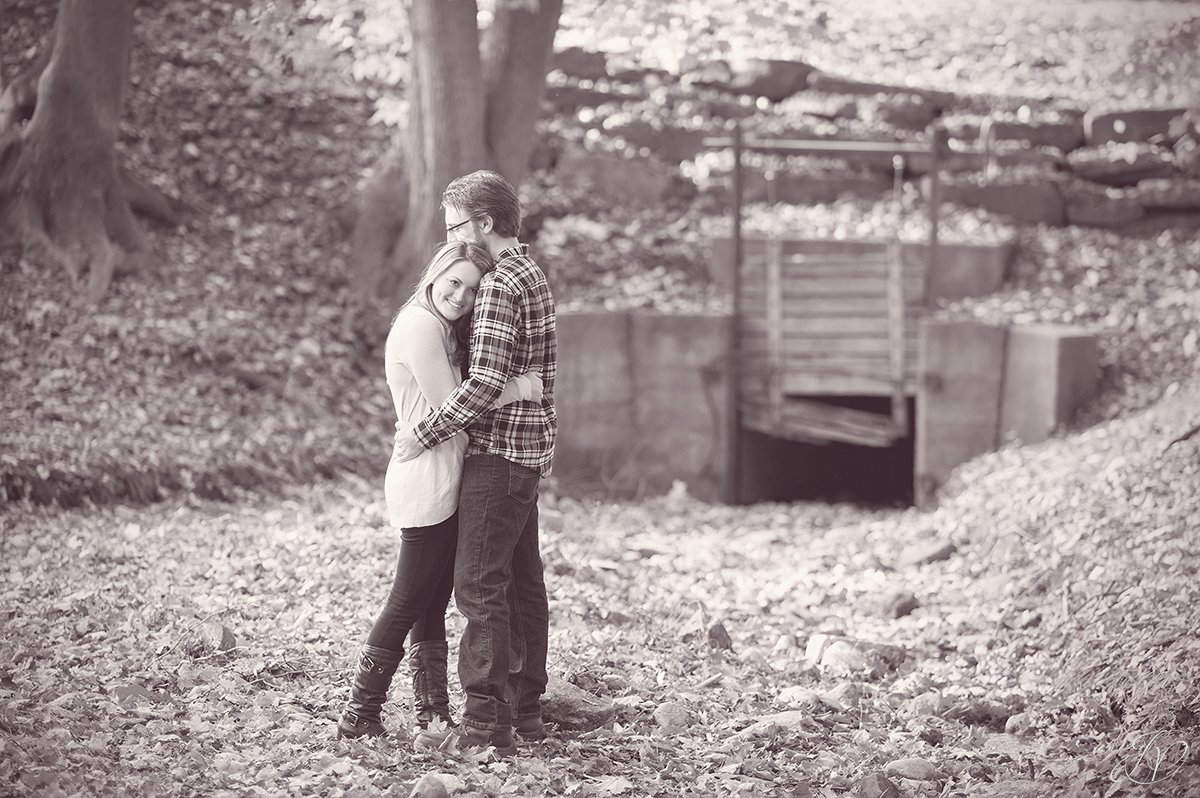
x: 501, y: 591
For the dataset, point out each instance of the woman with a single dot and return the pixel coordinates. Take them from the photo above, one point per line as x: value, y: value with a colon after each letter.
x: 425, y: 354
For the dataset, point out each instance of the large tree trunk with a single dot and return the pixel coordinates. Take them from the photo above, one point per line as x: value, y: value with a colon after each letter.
x: 467, y: 110
x: 59, y: 183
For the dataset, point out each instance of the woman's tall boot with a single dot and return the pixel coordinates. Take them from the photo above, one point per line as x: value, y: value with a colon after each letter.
x: 431, y: 694
x: 361, y: 717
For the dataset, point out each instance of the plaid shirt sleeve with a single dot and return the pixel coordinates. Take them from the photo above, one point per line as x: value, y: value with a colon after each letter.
x: 493, y: 339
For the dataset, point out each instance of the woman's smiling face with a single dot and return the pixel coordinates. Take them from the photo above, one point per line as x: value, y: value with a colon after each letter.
x: 453, y: 292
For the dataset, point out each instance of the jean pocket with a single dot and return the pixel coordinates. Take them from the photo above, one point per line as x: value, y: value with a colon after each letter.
x: 522, y: 483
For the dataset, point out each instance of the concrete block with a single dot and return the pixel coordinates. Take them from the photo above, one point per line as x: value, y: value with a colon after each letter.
x: 1064, y: 135
x: 593, y: 391
x: 1036, y: 203
x: 1049, y: 372
x: 962, y: 270
x: 681, y: 408
x: 632, y: 182
x: 958, y: 398
x: 1134, y: 124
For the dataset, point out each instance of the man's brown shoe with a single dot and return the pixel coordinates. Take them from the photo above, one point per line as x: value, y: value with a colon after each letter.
x: 466, y: 742
x: 530, y: 730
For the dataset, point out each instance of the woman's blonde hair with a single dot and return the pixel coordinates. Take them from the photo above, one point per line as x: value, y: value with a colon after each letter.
x: 446, y: 256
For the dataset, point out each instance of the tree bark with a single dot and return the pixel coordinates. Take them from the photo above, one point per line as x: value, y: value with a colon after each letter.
x: 516, y: 51
x: 468, y: 110
x: 59, y: 183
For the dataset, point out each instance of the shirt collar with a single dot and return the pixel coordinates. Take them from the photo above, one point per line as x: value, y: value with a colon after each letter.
x: 519, y: 251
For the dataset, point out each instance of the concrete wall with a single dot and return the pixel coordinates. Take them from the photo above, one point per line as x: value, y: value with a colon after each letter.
x: 643, y: 401
x: 984, y: 386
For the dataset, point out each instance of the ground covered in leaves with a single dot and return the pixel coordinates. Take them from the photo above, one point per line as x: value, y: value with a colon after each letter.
x: 1043, y: 614
x: 200, y: 644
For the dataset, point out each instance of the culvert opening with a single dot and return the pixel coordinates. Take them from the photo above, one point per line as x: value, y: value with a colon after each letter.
x: 776, y: 469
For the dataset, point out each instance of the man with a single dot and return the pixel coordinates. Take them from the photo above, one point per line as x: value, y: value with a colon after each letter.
x: 498, y: 580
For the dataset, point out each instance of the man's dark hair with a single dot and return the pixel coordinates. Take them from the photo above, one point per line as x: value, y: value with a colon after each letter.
x: 486, y: 193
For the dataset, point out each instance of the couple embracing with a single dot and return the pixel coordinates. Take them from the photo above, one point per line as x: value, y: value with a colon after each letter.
x: 470, y: 361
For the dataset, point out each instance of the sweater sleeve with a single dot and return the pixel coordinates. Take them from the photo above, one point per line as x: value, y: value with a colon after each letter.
x: 422, y: 348
x: 493, y: 339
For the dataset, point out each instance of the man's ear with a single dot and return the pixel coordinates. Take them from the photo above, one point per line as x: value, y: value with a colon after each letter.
x: 485, y: 223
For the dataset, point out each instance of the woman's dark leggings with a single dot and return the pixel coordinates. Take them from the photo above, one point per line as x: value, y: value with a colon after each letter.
x: 416, y: 606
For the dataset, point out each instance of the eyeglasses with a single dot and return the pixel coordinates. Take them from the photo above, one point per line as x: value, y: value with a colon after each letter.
x: 451, y: 228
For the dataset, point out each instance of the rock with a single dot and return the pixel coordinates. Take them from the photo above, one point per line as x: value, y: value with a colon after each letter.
x: 573, y: 709
x: 580, y: 63
x: 759, y: 77
x: 824, y: 82
x: 1111, y: 212
x: 843, y: 697
x: 897, y: 604
x: 925, y: 552
x: 842, y: 657
x: 1063, y: 135
x: 1034, y: 202
x: 784, y: 644
x: 797, y: 696
x: 909, y: 112
x: 789, y: 719
x: 800, y: 189
x: 1016, y: 788
x: 1016, y: 157
x: 632, y: 182
x: 845, y: 657
x: 930, y: 703
x: 1121, y: 164
x: 569, y: 98
x: 672, y: 716
x: 216, y: 637
x: 875, y: 785
x: 1165, y: 194
x: 429, y: 786
x: 718, y: 637
x: 916, y: 788
x: 1019, y: 724
x: 752, y: 656
x: 1138, y: 124
x: 914, y: 768
x: 670, y: 143
x: 980, y: 712
x: 1007, y: 744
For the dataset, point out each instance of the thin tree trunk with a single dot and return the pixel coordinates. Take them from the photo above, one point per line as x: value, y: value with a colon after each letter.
x: 445, y: 134
x: 58, y: 178
x: 467, y: 110
x: 516, y: 52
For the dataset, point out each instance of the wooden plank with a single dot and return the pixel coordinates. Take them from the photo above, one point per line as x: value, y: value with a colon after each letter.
x: 809, y: 419
x: 799, y: 346
x: 897, y: 323
x: 839, y: 385
x: 774, y: 331
x: 796, y: 289
x: 802, y: 327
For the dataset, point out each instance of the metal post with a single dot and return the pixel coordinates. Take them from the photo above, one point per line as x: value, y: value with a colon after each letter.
x: 938, y: 141
x: 733, y: 471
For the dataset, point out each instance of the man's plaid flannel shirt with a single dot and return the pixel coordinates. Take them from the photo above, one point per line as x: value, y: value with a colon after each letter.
x: 513, y: 332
